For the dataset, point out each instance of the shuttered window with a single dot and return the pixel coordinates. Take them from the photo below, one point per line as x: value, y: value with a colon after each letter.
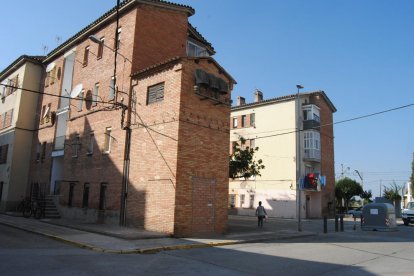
x: 3, y: 154
x: 155, y: 93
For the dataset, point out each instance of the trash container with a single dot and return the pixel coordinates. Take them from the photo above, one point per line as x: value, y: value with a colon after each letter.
x: 379, y: 217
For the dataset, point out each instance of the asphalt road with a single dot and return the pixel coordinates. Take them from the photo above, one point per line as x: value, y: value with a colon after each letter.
x: 343, y: 253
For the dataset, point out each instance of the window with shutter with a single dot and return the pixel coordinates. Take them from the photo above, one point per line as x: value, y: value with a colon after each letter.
x: 3, y: 154
x: 155, y: 93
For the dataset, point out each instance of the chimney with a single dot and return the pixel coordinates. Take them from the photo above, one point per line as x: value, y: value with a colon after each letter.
x: 258, y: 96
x: 241, y: 101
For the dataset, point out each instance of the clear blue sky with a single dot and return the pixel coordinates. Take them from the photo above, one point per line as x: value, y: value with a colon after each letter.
x: 361, y: 53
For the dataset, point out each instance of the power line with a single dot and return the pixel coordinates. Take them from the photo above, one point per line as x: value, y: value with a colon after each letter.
x: 339, y: 122
x: 58, y: 96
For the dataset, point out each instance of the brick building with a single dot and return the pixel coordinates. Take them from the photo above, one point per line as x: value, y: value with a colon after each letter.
x: 16, y: 127
x: 272, y: 126
x: 149, y: 147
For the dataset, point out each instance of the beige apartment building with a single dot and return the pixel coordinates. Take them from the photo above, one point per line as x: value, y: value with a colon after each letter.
x: 272, y: 126
x: 17, y: 108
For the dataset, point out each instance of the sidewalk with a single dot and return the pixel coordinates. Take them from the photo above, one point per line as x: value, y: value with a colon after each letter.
x: 124, y: 240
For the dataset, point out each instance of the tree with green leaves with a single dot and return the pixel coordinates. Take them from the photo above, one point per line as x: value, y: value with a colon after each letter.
x: 392, y: 192
x: 242, y: 161
x: 366, y: 196
x: 345, y: 189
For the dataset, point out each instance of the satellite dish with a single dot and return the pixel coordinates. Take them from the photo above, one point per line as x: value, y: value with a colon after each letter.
x: 50, y: 67
x: 76, y: 90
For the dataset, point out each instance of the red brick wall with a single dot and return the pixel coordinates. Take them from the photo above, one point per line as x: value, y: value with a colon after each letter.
x: 327, y: 152
x: 203, y: 157
x: 153, y: 167
x: 160, y: 34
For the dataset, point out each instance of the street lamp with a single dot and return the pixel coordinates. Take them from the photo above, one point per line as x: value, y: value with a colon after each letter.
x: 298, y: 158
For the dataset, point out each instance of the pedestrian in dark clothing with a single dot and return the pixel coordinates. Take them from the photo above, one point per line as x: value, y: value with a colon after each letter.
x: 261, y: 214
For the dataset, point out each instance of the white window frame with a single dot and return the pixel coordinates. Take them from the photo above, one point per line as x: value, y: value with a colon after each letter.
x: 235, y: 123
x: 95, y: 95
x: 311, y: 140
x: 108, y: 140
x: 312, y: 112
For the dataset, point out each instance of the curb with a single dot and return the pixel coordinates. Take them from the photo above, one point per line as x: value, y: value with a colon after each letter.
x: 154, y: 249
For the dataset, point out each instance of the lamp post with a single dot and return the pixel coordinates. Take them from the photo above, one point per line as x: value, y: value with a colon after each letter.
x: 298, y: 158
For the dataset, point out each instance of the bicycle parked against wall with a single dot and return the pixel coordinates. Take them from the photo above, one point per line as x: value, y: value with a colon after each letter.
x: 34, y: 208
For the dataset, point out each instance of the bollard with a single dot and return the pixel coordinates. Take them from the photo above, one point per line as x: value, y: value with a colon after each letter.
x: 325, y: 224
x: 354, y: 227
x: 342, y: 223
x: 336, y: 223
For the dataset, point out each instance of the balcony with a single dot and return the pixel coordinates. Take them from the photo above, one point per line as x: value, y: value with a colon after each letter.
x: 311, y: 124
x: 312, y: 155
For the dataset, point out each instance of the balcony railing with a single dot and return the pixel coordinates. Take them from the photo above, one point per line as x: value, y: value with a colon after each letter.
x: 311, y: 124
x: 312, y: 155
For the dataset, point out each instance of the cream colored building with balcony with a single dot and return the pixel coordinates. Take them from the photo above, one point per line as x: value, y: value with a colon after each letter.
x: 17, y: 123
x: 271, y: 125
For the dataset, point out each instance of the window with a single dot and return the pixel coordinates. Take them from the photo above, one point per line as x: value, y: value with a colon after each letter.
x: 86, y: 56
x: 85, y: 198
x: 242, y: 200
x: 1, y: 189
x: 112, y: 89
x: 311, y: 112
x: 75, y: 146
x: 80, y: 100
x: 100, y: 48
x: 251, y: 202
x: 118, y: 39
x: 95, y: 94
x: 7, y: 119
x: 312, y: 140
x: 90, y: 143
x: 155, y: 93
x: 52, y: 75
x: 3, y: 154
x: 102, y: 196
x: 38, y: 151
x: 235, y: 122
x: 43, y: 156
x: 45, y: 114
x: 252, y: 119
x: 194, y: 50
x: 108, y: 140
x: 232, y: 200
x: 71, y: 191
x: 13, y: 85
x: 243, y: 121
x: 252, y: 143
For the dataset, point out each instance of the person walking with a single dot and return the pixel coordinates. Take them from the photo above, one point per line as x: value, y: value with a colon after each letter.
x: 261, y: 214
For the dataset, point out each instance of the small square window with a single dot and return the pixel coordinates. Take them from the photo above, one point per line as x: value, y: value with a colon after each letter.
x: 155, y: 93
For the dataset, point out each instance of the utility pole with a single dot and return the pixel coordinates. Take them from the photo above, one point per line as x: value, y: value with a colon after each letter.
x: 298, y: 159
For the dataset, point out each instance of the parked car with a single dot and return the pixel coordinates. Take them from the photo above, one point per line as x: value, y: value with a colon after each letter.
x: 407, y: 213
x: 356, y: 213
